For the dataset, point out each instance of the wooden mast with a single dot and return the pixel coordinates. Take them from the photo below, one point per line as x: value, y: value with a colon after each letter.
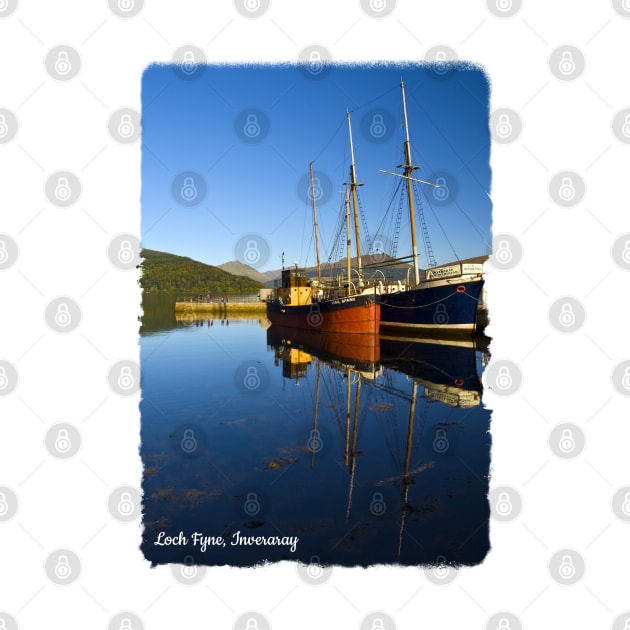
x: 319, y: 272
x: 348, y: 239
x: 408, y: 171
x: 353, y: 186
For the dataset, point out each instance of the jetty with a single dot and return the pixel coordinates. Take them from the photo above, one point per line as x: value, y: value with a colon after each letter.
x: 221, y: 307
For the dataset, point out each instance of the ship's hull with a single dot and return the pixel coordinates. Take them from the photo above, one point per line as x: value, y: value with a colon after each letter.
x: 359, y: 352
x: 442, y: 307
x: 354, y: 314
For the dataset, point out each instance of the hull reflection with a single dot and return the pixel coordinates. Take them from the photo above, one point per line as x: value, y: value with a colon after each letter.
x: 358, y: 352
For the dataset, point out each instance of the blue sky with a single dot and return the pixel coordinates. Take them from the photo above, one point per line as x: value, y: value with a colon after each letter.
x: 226, y: 152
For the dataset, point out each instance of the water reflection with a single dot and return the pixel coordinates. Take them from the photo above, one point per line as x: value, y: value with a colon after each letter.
x: 368, y: 449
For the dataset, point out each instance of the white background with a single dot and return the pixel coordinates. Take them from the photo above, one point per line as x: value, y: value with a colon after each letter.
x: 63, y: 251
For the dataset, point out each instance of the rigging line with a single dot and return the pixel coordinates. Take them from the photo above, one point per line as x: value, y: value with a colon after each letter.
x: 376, y: 98
x: 391, y: 201
x: 446, y: 140
x: 474, y: 225
x: 435, y: 216
x: 330, y: 139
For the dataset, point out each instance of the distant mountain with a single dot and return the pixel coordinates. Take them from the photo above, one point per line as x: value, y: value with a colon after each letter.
x: 240, y: 269
x: 373, y: 265
x: 394, y: 271
x: 162, y: 271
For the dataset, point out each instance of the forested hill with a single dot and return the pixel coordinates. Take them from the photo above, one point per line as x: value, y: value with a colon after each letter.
x: 166, y: 272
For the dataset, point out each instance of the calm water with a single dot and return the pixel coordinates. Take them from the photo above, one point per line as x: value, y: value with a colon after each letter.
x: 371, y: 452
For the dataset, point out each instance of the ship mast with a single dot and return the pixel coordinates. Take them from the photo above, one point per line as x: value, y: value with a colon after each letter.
x: 408, y: 171
x: 348, y: 239
x: 353, y: 186
x: 319, y: 272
